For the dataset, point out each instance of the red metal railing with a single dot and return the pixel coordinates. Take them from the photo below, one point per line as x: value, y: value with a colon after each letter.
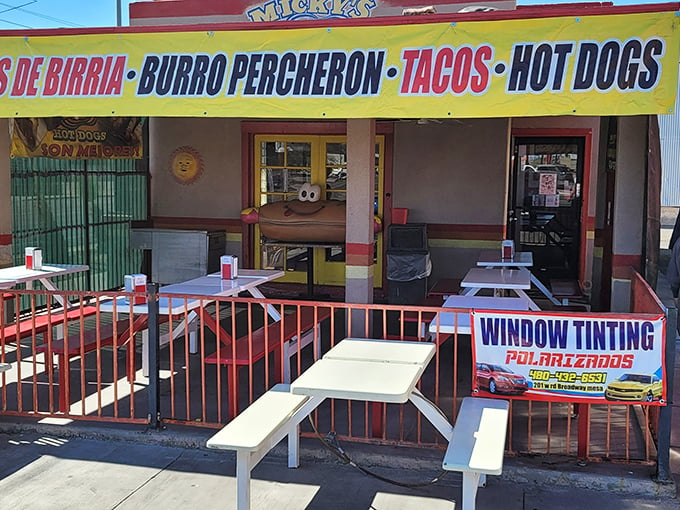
x: 644, y: 300
x: 228, y: 351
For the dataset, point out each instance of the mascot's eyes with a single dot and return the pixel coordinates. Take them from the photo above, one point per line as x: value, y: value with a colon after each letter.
x: 309, y: 193
x: 314, y: 193
x: 303, y: 194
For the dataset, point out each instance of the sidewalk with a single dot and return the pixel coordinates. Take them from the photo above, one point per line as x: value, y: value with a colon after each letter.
x: 96, y: 467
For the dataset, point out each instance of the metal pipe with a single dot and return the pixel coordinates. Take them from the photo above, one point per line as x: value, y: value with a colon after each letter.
x: 663, y: 463
x: 119, y: 13
x: 154, y: 361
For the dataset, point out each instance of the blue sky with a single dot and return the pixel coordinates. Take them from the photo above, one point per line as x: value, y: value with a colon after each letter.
x: 23, y: 14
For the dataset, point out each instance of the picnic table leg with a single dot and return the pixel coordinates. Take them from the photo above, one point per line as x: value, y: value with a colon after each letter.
x: 470, y: 484
x: 145, y: 353
x: 545, y: 290
x: 243, y: 468
x: 432, y: 413
x: 141, y: 323
x: 532, y: 306
x: 286, y: 361
x: 294, y: 447
x: 64, y: 386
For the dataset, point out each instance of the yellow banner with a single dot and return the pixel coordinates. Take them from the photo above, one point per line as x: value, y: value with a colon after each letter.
x: 77, y: 138
x: 589, y: 65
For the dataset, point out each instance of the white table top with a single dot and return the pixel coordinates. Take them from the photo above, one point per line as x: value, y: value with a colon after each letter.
x: 359, y: 380
x: 497, y: 278
x: 492, y: 258
x: 446, y: 322
x: 166, y: 306
x: 214, y: 285
x: 210, y: 286
x: 19, y: 274
x: 373, y: 370
x: 382, y: 351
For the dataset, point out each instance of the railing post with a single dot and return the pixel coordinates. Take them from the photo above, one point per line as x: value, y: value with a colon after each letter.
x: 663, y: 463
x: 154, y: 362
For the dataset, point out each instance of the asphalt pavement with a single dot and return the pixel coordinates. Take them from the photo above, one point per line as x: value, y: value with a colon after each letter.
x: 52, y: 467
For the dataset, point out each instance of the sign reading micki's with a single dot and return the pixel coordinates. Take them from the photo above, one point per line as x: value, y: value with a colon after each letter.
x: 293, y: 10
x: 474, y: 69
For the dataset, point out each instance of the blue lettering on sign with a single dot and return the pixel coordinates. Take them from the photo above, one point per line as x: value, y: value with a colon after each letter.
x: 293, y: 10
x: 318, y: 73
x: 612, y: 65
x: 183, y: 75
x: 614, y: 335
x: 632, y: 65
x: 524, y: 332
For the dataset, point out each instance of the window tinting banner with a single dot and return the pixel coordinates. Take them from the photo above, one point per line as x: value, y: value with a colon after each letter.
x: 623, y: 64
x: 588, y: 358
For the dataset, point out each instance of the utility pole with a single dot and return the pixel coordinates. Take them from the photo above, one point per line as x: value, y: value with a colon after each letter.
x: 119, y: 13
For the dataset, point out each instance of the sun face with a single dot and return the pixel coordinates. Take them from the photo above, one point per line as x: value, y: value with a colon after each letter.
x: 186, y: 165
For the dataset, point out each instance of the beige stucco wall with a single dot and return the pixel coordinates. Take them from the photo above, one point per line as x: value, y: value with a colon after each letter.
x: 456, y: 173
x: 452, y: 173
x: 631, y: 173
x: 443, y: 172
x: 217, y: 193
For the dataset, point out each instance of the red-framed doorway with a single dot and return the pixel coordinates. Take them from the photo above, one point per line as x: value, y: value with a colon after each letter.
x: 586, y: 221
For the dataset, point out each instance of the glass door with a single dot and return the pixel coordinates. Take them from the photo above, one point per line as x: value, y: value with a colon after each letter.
x: 545, y: 212
x: 283, y: 163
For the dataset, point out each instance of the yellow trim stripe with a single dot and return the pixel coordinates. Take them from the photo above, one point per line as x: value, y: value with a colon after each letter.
x: 358, y: 272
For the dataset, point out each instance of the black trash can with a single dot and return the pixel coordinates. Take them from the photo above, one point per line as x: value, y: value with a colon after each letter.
x: 407, y: 272
x: 408, y: 263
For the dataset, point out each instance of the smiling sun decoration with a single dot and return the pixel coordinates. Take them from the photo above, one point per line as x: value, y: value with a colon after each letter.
x: 186, y: 165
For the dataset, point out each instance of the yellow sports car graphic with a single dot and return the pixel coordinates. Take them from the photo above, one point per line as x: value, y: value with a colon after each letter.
x: 635, y: 388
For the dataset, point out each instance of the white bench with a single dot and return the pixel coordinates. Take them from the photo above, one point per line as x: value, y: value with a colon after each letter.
x: 259, y: 428
x: 477, y: 444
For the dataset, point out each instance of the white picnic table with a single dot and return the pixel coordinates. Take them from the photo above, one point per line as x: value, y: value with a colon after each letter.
x: 493, y: 259
x: 208, y: 287
x: 11, y: 276
x: 452, y: 322
x: 213, y: 285
x: 498, y: 279
x: 375, y: 371
x: 382, y: 371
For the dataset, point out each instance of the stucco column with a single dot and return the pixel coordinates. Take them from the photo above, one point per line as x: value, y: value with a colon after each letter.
x: 360, y: 198
x: 629, y: 206
x: 5, y: 197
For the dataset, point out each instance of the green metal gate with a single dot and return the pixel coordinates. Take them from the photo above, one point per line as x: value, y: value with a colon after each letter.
x: 79, y: 212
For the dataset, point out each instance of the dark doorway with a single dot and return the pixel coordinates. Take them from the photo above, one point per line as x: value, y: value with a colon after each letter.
x: 545, y: 203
